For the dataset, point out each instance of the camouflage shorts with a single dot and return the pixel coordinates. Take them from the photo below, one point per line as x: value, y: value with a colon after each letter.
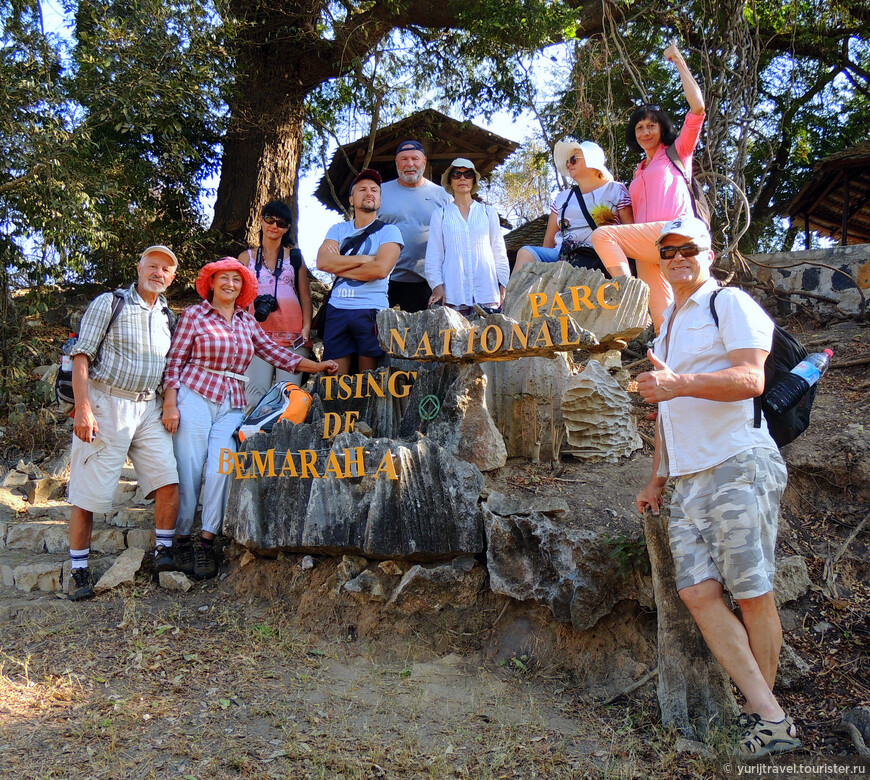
x: 723, y: 523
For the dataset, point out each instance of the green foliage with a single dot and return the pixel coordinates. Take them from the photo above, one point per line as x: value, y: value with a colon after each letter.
x: 629, y: 552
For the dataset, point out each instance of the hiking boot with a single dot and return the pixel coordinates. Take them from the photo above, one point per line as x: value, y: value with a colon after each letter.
x: 163, y: 559
x: 183, y: 555
x: 768, y: 737
x: 204, y: 563
x: 81, y: 585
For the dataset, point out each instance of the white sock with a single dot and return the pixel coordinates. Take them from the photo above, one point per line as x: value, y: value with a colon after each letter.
x: 165, y: 536
x: 79, y: 558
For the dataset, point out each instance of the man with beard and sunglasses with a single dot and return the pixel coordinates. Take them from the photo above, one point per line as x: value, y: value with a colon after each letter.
x: 361, y: 253
x: 118, y: 364
x: 408, y: 203
x: 728, y: 474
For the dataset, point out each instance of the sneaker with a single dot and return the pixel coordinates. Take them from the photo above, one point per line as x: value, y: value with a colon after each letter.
x: 81, y: 585
x: 183, y: 556
x: 164, y: 560
x: 204, y: 563
x: 768, y: 737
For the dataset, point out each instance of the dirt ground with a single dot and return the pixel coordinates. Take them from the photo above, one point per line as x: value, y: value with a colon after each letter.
x: 265, y: 674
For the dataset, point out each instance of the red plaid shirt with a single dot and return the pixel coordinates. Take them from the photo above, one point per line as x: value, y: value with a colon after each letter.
x: 204, y: 339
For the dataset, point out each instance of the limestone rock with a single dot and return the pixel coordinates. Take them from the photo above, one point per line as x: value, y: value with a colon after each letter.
x: 141, y: 538
x: 10, y: 505
x: 175, y: 580
x: 597, y: 415
x: 431, y: 588
x: 350, y: 567
x: 37, y: 576
x: 123, y: 570
x: 793, y: 670
x: 98, y: 567
x: 123, y: 493
x: 430, y: 512
x: 500, y: 504
x: 611, y: 327
x: 791, y: 581
x: 423, y: 336
x: 44, y: 489
x: 569, y: 570
x: 107, y: 540
x: 14, y: 478
x: 524, y: 398
x: 367, y: 586
x: 132, y: 517
x: 390, y: 568
x: 463, y: 425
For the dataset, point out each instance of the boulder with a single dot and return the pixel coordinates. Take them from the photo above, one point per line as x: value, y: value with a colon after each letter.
x: 429, y: 512
x: 445, y: 336
x: 611, y: 327
x: 141, y: 538
x: 597, y: 415
x: 368, y: 586
x: 793, y: 671
x: 43, y: 489
x: 37, y: 576
x: 175, y: 580
x: 524, y: 398
x: 431, y: 588
x: 122, y: 570
x: 791, y: 581
x: 500, y: 504
x: 462, y: 425
x: 10, y: 505
x: 569, y: 570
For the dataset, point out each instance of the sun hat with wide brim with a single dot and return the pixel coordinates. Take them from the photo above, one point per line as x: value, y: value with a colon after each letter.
x: 460, y: 162
x: 593, y: 156
x: 249, y: 281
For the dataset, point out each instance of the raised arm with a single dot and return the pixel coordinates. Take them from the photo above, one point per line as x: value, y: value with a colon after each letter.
x: 690, y: 86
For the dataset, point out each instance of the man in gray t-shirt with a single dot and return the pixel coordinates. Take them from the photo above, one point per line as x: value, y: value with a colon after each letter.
x: 408, y: 203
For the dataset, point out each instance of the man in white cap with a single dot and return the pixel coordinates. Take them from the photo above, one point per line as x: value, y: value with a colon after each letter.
x: 118, y: 363
x: 729, y: 475
x: 408, y: 203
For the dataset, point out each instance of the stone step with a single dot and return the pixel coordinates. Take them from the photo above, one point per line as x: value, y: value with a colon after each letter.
x: 52, y: 536
x: 46, y: 572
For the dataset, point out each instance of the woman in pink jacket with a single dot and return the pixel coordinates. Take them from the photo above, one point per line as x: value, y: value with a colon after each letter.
x: 659, y: 193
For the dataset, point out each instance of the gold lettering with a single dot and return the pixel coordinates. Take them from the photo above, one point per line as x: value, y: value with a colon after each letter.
x: 289, y: 466
x: 538, y: 300
x: 559, y: 304
x: 345, y: 387
x: 359, y: 381
x: 260, y: 463
x: 522, y: 336
x: 600, y: 295
x: 331, y: 425
x: 308, y: 458
x: 448, y: 335
x: 355, y: 467
x: 373, y: 384
x: 227, y: 461
x: 327, y: 382
x: 395, y: 338
x: 545, y: 333
x: 349, y: 419
x: 469, y: 348
x: 333, y: 466
x: 424, y: 344
x: 406, y: 388
x: 565, y: 342
x: 387, y: 466
x: 577, y: 299
x: 242, y: 466
x: 484, y: 339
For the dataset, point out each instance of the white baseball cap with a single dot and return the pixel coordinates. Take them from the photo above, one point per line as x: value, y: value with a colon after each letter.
x: 162, y: 250
x: 690, y: 227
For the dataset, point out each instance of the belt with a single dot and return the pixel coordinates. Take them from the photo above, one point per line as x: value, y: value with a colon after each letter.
x: 230, y: 374
x: 145, y: 395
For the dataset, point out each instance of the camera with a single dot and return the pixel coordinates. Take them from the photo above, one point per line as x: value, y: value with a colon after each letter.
x: 264, y: 305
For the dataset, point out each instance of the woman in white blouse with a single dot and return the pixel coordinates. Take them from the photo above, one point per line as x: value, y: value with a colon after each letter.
x: 466, y: 259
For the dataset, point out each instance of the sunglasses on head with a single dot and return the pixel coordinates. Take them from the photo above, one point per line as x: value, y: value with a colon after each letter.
x: 686, y: 250
x: 281, y: 223
x: 455, y: 174
x: 651, y: 107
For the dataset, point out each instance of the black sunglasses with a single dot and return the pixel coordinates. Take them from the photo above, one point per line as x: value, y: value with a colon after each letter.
x: 686, y: 250
x: 281, y: 223
x: 650, y: 107
x: 574, y: 158
x: 454, y: 174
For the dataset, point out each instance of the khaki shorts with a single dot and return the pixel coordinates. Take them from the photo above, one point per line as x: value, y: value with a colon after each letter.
x: 723, y: 523
x: 131, y: 429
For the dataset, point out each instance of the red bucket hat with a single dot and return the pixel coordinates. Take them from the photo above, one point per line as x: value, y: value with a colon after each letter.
x: 249, y: 281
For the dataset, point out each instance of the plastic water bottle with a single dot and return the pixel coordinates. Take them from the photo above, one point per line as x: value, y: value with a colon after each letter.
x: 787, y: 393
x: 65, y: 350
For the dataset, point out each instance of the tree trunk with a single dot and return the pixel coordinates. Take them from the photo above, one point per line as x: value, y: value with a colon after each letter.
x: 693, y: 689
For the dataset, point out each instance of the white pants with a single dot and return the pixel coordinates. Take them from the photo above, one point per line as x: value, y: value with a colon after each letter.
x: 263, y: 375
x: 204, y: 428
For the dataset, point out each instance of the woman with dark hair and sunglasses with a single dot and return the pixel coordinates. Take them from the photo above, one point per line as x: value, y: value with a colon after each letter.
x: 659, y: 193
x: 283, y: 302
x: 466, y: 259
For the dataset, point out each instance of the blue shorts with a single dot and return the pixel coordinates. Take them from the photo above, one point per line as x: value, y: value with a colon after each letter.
x: 544, y: 254
x: 351, y: 332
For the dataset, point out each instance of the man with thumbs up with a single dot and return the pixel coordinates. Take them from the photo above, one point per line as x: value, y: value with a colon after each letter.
x: 729, y: 475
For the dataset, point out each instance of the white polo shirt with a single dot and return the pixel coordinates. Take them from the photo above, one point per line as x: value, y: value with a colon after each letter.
x: 697, y: 433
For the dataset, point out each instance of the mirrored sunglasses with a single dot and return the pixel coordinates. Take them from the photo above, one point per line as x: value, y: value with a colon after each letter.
x: 455, y: 174
x: 276, y: 221
x: 686, y: 250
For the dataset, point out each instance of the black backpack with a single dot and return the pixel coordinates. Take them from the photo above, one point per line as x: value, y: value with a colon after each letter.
x: 785, y: 353
x: 700, y: 204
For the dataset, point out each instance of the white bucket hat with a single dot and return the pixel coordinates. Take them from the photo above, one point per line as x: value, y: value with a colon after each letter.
x: 593, y: 156
x: 460, y: 162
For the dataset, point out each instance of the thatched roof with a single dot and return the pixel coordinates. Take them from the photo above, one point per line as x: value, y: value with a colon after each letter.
x: 530, y: 234
x: 841, y: 177
x: 443, y: 138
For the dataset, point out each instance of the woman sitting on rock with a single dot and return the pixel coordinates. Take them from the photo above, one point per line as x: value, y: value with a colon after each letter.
x: 594, y: 199
x: 204, y: 403
x: 659, y: 192
x: 466, y: 258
